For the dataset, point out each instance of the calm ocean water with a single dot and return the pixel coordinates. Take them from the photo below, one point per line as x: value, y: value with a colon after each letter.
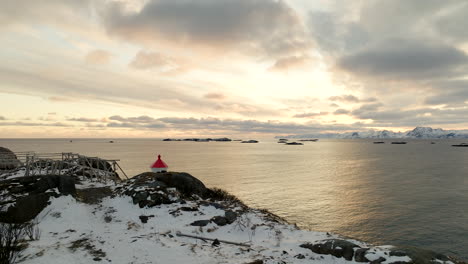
x: 414, y: 194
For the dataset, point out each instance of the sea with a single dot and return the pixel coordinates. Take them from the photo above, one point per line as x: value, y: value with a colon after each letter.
x: 413, y: 195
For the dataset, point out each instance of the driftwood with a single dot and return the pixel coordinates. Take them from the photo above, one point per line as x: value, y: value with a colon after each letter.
x: 213, y: 239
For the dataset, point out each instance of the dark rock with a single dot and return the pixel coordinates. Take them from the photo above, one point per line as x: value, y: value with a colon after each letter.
x: 25, y: 209
x: 66, y: 185
x: 139, y: 196
x: 418, y: 255
x: 299, y: 256
x: 145, y: 203
x: 8, y: 159
x: 398, y: 253
x: 378, y: 261
x: 338, y: 252
x: 220, y: 220
x: 144, y: 219
x: 258, y: 261
x: 230, y: 216
x: 215, y: 243
x: 184, y: 182
x: 157, y: 184
x: 217, y: 205
x: 200, y: 223
x: 188, y: 209
x: 158, y: 199
x: 336, y: 247
x: 52, y: 181
x: 360, y: 255
x: 93, y: 195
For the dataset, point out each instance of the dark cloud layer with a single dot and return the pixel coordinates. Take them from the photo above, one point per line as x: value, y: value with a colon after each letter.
x: 310, y: 115
x: 213, y: 124
x: 266, y: 26
x: 408, y: 59
x: 349, y: 98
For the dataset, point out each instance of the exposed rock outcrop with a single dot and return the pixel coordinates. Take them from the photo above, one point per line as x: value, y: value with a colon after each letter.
x: 183, y: 182
x: 23, y: 198
x: 8, y: 159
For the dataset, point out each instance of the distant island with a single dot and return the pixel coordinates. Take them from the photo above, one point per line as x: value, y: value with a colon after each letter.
x: 199, y: 139
x: 417, y: 133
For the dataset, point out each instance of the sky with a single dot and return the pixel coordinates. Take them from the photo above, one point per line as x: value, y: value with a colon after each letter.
x: 180, y: 68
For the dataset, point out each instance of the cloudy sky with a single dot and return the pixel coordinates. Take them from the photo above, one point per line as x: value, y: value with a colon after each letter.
x: 173, y: 68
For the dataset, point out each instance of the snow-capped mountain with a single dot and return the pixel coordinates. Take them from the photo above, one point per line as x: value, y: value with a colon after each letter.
x: 418, y: 132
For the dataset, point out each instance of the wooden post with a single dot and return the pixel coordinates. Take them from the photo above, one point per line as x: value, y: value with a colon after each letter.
x: 27, y: 165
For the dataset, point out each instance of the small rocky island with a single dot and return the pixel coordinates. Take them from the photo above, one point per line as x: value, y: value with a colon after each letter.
x: 169, y: 217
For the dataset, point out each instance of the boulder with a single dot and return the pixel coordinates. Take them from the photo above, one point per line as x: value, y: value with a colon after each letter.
x: 183, y: 182
x: 419, y: 255
x: 27, y: 196
x: 336, y: 247
x: 360, y: 255
x: 25, y: 209
x: 66, y: 185
x: 220, y: 220
x: 230, y: 216
x: 40, y: 184
x: 139, y: 197
x: 200, y: 223
x: 8, y: 159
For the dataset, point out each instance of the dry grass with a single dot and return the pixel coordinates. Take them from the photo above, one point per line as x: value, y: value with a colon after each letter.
x: 217, y: 194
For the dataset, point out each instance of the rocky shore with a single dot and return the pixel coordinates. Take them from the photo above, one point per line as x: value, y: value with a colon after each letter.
x: 167, y: 218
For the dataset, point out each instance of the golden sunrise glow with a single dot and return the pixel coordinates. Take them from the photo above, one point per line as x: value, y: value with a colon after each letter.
x: 122, y: 68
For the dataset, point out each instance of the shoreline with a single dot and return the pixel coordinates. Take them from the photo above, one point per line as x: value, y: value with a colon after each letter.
x: 133, y: 205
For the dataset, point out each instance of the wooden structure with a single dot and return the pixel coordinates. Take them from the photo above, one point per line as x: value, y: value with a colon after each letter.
x: 68, y: 163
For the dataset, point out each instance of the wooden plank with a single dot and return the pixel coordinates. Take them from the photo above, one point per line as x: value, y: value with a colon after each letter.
x: 213, y: 239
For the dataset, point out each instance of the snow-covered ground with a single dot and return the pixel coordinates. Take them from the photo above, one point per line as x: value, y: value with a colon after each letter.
x: 142, y: 220
x: 112, y: 232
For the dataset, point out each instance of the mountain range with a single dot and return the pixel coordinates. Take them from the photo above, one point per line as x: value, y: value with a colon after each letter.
x: 418, y: 132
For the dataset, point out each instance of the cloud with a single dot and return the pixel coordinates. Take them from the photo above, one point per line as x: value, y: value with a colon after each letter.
x: 345, y: 98
x: 98, y: 57
x: 248, y: 126
x: 34, y: 124
x: 448, y: 92
x: 52, y: 11
x: 60, y: 99
x: 291, y: 63
x: 214, y: 96
x: 349, y: 98
x: 310, y: 115
x: 211, y: 125
x: 138, y: 119
x: 83, y: 119
x: 363, y: 111
x: 453, y: 24
x: 407, y: 59
x: 148, y: 60
x: 261, y: 26
x: 341, y: 111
